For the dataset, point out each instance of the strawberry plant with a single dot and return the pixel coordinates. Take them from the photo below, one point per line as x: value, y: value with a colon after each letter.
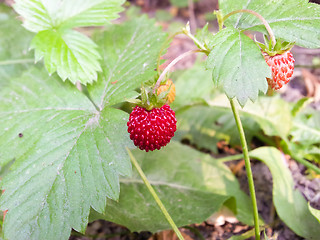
x: 67, y: 131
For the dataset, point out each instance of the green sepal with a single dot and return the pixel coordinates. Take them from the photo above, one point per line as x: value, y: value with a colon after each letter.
x: 279, y: 48
x: 134, y: 101
x: 150, y: 100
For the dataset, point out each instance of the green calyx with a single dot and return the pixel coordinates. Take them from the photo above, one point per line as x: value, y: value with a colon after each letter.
x: 148, y: 99
x: 279, y: 48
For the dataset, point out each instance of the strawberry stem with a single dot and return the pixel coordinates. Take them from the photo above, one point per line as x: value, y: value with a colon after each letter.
x: 248, y: 167
x: 164, y: 46
x: 265, y: 23
x: 187, y: 31
x: 155, y: 196
x: 175, y: 61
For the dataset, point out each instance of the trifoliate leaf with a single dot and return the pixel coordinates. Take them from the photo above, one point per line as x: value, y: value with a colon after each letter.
x: 130, y: 55
x: 70, y: 53
x: 42, y: 15
x: 291, y: 20
x: 68, y: 155
x: 238, y: 65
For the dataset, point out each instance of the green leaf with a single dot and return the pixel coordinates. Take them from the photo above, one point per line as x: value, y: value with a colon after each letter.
x: 204, y: 36
x: 291, y: 20
x: 130, y: 54
x: 191, y: 185
x: 70, y: 155
x: 306, y: 127
x: 315, y: 212
x: 42, y: 15
x: 14, y: 44
x: 231, y: 61
x: 189, y: 91
x: 300, y: 105
x: 70, y: 53
x: 181, y: 3
x: 291, y: 206
x: 205, y: 126
x: 67, y: 160
x: 204, y: 115
x: 272, y: 114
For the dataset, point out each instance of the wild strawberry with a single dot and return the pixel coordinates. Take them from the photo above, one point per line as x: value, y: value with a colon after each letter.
x: 168, y: 86
x: 282, y: 66
x: 152, y: 129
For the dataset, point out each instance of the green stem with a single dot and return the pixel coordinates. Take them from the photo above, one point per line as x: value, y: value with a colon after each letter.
x: 306, y: 163
x: 17, y: 61
x: 265, y: 23
x: 196, y: 41
x: 230, y: 158
x: 155, y: 196
x: 248, y: 168
x: 174, y: 61
x: 164, y: 46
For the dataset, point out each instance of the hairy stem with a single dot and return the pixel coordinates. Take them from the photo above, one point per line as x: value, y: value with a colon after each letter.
x: 175, y: 61
x: 164, y: 46
x: 248, y: 167
x: 155, y: 196
x: 187, y: 32
x: 265, y: 23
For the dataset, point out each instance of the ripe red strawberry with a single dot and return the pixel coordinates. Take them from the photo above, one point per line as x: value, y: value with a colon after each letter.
x: 282, y: 66
x: 152, y: 129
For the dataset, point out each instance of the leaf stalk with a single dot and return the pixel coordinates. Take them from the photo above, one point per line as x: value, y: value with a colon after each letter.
x: 174, y: 62
x: 155, y: 196
x: 187, y: 31
x: 264, y: 21
x: 164, y: 46
x: 248, y: 167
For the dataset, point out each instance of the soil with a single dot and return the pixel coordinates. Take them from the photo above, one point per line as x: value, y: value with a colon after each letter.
x: 296, y: 89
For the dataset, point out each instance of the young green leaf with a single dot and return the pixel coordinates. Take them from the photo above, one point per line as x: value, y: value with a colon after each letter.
x: 238, y: 65
x: 291, y: 20
x: 42, y: 15
x: 197, y: 185
x: 291, y: 206
x: 70, y: 53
